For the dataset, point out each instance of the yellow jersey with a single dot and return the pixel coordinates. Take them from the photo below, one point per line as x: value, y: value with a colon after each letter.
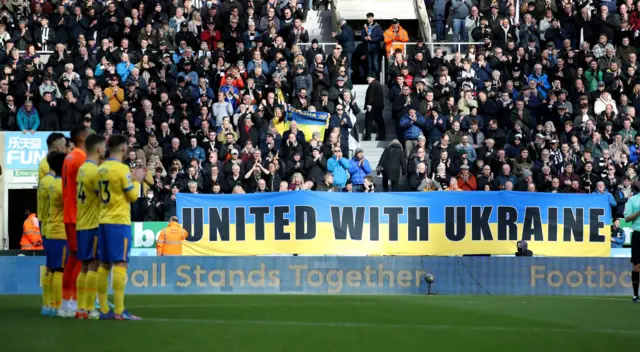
x: 88, y: 197
x: 117, y: 191
x: 55, y: 225
x: 43, y: 169
x: 43, y: 201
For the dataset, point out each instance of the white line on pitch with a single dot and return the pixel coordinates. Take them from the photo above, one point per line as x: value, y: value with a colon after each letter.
x: 393, y: 326
x: 250, y: 305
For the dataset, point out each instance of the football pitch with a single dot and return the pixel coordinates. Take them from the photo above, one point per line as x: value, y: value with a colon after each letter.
x: 332, y: 323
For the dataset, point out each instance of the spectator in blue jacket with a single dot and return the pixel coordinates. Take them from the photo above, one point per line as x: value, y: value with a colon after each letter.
x: 412, y: 124
x: 359, y: 169
x: 347, y: 39
x: 634, y: 151
x: 618, y: 236
x: 28, y: 118
x: 124, y: 68
x: 483, y: 70
x: 601, y: 189
x: 435, y: 127
x: 190, y: 76
x: 339, y: 167
x: 500, y: 181
x: 195, y: 151
x: 541, y: 79
x: 621, y: 195
x: 258, y: 62
x: 372, y: 34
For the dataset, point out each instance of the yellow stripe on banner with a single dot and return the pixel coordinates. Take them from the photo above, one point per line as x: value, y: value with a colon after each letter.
x: 310, y: 129
x: 325, y: 244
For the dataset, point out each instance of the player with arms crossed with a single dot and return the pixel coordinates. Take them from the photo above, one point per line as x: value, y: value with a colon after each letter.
x: 55, y: 143
x: 88, y: 200
x: 117, y: 192
x: 632, y: 215
x: 72, y: 163
x: 57, y: 250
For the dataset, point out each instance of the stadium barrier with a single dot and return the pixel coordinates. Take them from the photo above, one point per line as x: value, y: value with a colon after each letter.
x: 352, y: 275
x: 420, y: 223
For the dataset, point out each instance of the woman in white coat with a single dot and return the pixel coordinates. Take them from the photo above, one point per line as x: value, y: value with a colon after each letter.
x: 351, y: 108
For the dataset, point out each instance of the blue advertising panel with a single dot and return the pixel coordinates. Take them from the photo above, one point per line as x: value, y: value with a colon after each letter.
x: 352, y: 275
x: 24, y: 151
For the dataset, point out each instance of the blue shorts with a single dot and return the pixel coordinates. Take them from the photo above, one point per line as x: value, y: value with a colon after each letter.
x: 114, y: 243
x: 57, y: 253
x: 88, y: 244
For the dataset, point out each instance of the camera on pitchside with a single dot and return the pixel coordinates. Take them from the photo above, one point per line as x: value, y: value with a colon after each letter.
x: 429, y: 278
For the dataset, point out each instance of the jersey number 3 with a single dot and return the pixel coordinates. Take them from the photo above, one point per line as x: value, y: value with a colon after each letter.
x: 105, y: 195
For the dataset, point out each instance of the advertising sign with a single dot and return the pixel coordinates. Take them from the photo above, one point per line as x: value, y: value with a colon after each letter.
x: 144, y: 238
x: 22, y: 155
x: 352, y: 275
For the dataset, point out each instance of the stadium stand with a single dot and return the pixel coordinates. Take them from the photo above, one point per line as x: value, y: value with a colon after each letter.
x: 544, y: 101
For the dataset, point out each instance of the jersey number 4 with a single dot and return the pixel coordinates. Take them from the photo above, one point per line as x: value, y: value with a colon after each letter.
x: 105, y: 195
x: 81, y: 195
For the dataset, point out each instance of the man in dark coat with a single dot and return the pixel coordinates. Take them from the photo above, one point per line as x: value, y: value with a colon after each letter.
x: 346, y: 38
x: 71, y: 111
x: 392, y: 165
x: 341, y: 119
x: 374, y: 105
x: 316, y: 166
x: 248, y: 132
x: 47, y: 112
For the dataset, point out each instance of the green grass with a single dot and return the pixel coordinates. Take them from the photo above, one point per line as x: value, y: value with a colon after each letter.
x: 332, y: 323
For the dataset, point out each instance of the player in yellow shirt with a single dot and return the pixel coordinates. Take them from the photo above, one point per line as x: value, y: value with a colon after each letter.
x: 56, y: 236
x: 55, y: 142
x: 117, y: 192
x: 88, y: 203
x: 43, y: 210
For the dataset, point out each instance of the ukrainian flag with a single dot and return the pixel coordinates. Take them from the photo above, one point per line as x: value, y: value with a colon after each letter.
x: 309, y: 122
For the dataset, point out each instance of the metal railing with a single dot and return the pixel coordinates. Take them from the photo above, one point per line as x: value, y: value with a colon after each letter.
x: 405, y: 46
x: 325, y: 46
x: 335, y: 15
x: 432, y: 46
x: 423, y: 20
x: 44, y: 55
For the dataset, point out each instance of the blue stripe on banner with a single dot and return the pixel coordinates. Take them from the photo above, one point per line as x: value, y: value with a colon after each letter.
x: 308, y: 117
x: 352, y: 275
x: 307, y: 121
x: 322, y: 202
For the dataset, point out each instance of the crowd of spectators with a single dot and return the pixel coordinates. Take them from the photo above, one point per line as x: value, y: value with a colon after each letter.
x: 547, y: 102
x: 200, y: 88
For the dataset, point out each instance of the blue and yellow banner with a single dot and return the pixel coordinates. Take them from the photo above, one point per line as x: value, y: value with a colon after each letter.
x: 309, y: 122
x: 434, y: 223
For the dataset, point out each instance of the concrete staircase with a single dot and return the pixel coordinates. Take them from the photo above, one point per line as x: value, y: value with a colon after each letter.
x: 383, y: 9
x: 319, y: 26
x: 373, y: 149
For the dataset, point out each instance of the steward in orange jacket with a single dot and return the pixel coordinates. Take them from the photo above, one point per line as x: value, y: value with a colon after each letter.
x: 31, y: 237
x: 170, y: 239
x: 394, y: 37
